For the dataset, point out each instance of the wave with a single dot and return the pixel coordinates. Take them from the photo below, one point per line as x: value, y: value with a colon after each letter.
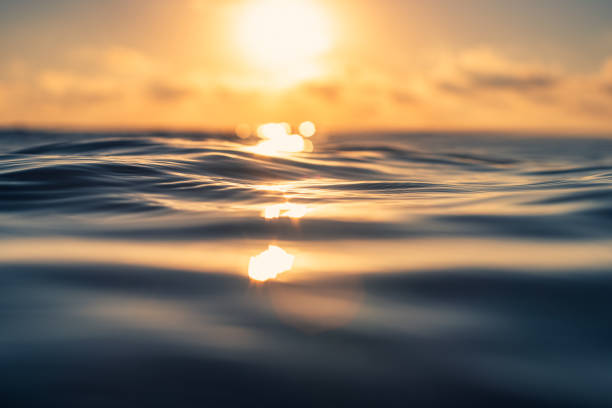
x: 207, y: 177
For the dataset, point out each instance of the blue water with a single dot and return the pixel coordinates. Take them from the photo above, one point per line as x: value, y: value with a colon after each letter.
x: 430, y: 270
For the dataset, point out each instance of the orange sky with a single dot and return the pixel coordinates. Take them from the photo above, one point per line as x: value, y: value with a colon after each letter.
x: 385, y: 64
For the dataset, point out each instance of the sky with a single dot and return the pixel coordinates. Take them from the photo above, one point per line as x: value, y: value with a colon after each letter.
x: 542, y: 65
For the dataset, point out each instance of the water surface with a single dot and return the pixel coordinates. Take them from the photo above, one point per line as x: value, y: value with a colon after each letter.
x: 428, y: 270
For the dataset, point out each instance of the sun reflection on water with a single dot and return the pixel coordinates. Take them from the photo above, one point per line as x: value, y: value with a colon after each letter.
x: 288, y: 210
x: 278, y: 139
x: 270, y: 263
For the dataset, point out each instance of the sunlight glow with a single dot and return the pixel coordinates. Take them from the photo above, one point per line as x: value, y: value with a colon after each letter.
x: 274, y: 32
x: 285, y: 210
x: 273, y: 130
x: 277, y: 139
x: 270, y: 263
x: 285, y: 144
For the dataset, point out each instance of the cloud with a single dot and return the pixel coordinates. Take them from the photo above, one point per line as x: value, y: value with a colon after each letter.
x: 453, y: 87
x: 403, y: 97
x: 527, y: 82
x: 117, y: 61
x: 165, y: 91
x: 483, y: 70
x: 606, y: 76
x: 328, y: 91
x: 475, y: 88
x: 94, y: 78
x: 71, y: 89
x: 594, y: 108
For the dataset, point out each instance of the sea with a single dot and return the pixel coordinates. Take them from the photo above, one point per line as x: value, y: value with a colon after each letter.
x: 408, y: 269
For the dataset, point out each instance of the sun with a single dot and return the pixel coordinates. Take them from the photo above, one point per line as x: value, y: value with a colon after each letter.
x: 283, y: 34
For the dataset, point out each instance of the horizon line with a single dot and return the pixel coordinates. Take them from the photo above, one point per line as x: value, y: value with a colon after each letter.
x: 559, y: 132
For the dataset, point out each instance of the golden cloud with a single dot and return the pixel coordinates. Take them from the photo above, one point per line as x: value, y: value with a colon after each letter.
x: 476, y: 88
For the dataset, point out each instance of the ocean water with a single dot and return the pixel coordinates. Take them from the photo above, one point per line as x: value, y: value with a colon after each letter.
x: 427, y: 270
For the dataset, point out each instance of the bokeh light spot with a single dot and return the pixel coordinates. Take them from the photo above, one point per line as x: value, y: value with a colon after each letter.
x: 270, y: 263
x: 277, y: 139
x: 307, y: 129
